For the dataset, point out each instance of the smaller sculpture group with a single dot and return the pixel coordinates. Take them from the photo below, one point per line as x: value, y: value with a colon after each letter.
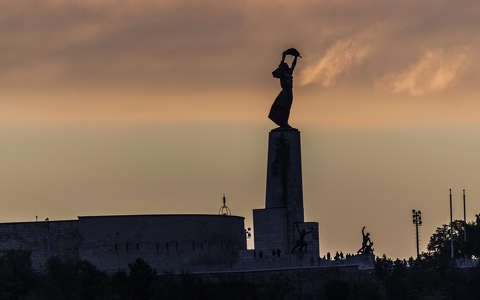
x: 367, y: 244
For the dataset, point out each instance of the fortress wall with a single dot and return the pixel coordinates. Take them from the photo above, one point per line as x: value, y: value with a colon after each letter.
x: 166, y: 242
x: 43, y: 239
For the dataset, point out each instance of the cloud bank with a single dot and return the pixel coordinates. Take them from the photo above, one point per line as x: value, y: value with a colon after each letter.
x: 201, y: 51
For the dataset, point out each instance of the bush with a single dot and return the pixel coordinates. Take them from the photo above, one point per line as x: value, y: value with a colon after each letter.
x: 337, y: 290
x: 17, y: 278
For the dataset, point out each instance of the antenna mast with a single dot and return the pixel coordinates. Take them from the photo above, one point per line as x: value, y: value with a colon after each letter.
x: 224, y: 210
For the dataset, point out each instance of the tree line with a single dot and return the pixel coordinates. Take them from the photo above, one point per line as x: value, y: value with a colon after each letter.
x: 432, y: 275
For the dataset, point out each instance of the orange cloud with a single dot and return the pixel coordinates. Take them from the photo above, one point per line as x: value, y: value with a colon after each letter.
x: 340, y: 57
x: 435, y: 71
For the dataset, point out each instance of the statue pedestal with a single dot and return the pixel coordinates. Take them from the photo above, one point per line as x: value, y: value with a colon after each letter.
x: 284, y: 172
x: 277, y: 226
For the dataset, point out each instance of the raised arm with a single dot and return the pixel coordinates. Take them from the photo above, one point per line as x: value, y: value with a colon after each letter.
x: 294, y: 63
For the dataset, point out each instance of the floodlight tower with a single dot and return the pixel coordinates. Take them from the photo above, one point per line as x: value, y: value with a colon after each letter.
x: 417, y: 221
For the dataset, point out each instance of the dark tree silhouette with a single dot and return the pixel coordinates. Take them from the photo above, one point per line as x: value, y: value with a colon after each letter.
x: 17, y: 277
x: 440, y: 240
x: 60, y: 280
x: 141, y: 279
x: 337, y: 290
x: 91, y: 283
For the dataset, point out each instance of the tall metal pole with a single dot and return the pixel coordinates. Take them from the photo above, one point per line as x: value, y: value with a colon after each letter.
x: 418, y: 250
x: 464, y: 218
x: 451, y: 227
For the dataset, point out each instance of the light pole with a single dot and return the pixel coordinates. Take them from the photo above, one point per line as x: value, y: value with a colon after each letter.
x: 451, y: 227
x: 417, y: 221
x: 464, y: 218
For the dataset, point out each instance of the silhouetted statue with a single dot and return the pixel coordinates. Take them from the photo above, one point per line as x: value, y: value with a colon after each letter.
x: 367, y: 244
x: 280, y: 110
x: 301, y: 243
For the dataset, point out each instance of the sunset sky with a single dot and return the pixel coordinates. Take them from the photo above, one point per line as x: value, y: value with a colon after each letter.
x: 142, y: 106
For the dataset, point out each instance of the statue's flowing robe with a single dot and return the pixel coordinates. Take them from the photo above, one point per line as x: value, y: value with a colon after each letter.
x: 280, y: 110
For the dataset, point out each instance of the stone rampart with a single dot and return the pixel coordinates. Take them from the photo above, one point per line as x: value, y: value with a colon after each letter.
x: 169, y: 243
x: 166, y: 242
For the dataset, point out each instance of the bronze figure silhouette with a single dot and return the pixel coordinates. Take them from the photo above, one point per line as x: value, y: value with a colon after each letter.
x: 280, y: 110
x: 301, y: 244
x: 367, y: 244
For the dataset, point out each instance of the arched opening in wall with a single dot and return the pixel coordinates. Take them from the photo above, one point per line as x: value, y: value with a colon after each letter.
x: 116, y: 248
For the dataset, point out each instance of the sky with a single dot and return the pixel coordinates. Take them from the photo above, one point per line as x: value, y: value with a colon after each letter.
x: 123, y: 106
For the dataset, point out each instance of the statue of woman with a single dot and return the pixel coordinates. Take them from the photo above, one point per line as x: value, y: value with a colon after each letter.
x: 280, y: 110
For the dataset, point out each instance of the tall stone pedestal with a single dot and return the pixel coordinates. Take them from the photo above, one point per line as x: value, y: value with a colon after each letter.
x: 284, y: 172
x: 279, y: 225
